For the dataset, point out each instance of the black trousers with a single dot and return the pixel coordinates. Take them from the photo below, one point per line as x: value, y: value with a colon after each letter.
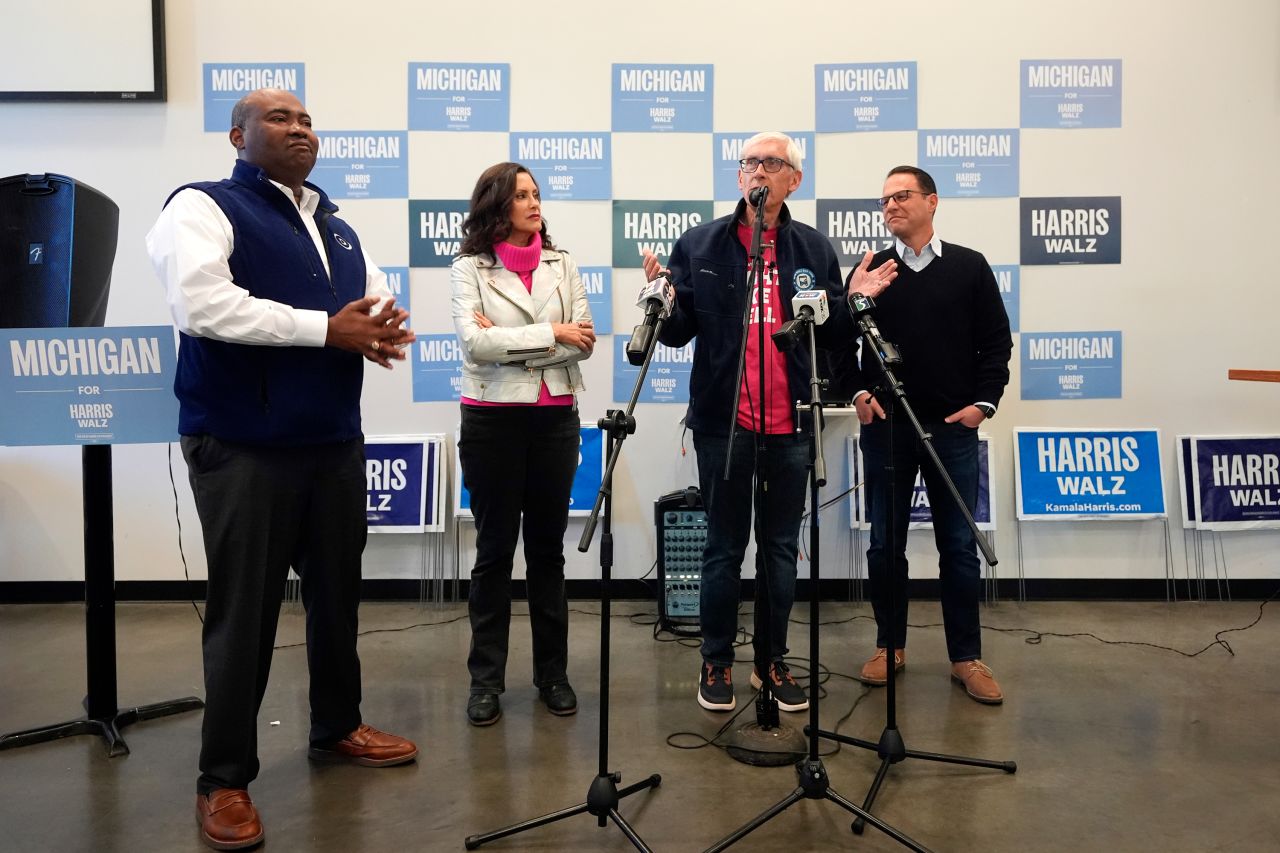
x: 518, y: 463
x: 264, y: 509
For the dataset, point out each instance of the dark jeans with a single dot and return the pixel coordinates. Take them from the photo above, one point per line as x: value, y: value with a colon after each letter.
x: 518, y: 461
x: 729, y: 505
x: 262, y: 510
x: 958, y: 568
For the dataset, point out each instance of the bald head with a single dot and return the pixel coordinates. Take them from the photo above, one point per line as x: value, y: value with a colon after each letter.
x: 271, y: 129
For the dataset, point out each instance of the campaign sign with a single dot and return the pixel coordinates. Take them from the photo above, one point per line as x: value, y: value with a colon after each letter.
x: 459, y: 96
x: 567, y: 166
x: 398, y: 284
x: 1008, y: 279
x: 921, y: 514
x: 854, y: 226
x: 586, y: 480
x: 667, y: 380
x: 857, y: 492
x: 662, y: 98
x: 88, y: 386
x: 727, y: 151
x: 865, y: 96
x: 1071, y: 93
x: 654, y: 226
x: 363, y: 163
x: 1088, y: 473
x: 403, y: 481
x: 227, y: 82
x: 1236, y: 482
x: 983, y: 512
x: 1071, y: 365
x: 437, y: 368
x: 974, y: 163
x: 1186, y: 482
x: 435, y: 231
x: 598, y: 282
x: 1082, y: 230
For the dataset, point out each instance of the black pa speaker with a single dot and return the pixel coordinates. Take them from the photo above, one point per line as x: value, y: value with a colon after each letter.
x: 57, y: 247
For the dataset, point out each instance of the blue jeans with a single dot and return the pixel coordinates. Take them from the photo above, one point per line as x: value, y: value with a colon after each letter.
x: 958, y: 568
x: 729, y: 524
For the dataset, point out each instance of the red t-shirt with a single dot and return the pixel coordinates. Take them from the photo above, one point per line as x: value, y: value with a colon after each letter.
x: 777, y: 393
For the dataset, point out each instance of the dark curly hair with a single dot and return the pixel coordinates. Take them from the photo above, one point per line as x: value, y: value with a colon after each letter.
x: 489, y: 217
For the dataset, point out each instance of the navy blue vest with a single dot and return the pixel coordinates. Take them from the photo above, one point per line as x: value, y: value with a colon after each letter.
x: 265, y: 394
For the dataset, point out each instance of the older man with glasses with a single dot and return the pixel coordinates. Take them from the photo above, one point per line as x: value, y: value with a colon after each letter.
x: 948, y: 319
x: 709, y: 267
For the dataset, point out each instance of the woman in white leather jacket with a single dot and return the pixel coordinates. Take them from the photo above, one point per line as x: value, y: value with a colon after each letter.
x: 521, y: 314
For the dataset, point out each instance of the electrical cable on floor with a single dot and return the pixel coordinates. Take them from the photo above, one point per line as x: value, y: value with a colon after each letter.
x: 1038, y: 636
x: 366, y: 633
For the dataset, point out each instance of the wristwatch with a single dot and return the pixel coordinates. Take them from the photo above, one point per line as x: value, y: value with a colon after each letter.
x: 988, y: 412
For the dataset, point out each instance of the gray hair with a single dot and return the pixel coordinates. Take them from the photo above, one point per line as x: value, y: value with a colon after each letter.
x: 794, y: 155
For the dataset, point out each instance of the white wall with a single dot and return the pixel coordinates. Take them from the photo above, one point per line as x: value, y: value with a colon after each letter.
x: 1194, y: 163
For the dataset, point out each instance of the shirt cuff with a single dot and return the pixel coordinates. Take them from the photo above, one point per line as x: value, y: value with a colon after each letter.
x: 313, y: 328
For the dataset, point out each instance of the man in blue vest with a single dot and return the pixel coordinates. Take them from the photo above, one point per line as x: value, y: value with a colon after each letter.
x: 278, y: 306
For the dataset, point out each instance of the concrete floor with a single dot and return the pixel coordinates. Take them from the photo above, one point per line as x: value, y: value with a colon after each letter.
x: 1119, y: 747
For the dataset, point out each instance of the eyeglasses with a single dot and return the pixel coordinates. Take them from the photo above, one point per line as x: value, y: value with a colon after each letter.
x: 771, y: 164
x: 900, y: 197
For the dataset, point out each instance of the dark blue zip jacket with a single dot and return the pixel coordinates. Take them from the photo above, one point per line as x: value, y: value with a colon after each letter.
x: 276, y: 395
x: 709, y: 269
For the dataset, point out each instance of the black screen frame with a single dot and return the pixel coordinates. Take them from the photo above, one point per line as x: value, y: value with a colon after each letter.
x: 159, y: 91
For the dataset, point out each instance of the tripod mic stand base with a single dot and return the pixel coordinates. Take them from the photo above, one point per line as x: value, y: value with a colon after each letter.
x: 602, y: 803
x: 760, y: 747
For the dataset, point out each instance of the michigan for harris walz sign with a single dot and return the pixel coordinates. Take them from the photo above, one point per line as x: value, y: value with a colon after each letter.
x: 88, y: 386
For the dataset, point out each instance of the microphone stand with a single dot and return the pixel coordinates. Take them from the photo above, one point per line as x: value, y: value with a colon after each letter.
x: 891, y: 748
x: 603, y: 796
x: 813, y: 781
x: 767, y: 741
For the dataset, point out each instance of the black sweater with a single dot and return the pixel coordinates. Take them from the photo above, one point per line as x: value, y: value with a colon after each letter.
x: 949, y: 323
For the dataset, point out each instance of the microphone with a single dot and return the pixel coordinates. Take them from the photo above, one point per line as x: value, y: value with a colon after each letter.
x: 655, y: 299
x: 657, y: 292
x: 807, y: 306
x: 811, y: 305
x: 860, y: 305
x: 757, y: 196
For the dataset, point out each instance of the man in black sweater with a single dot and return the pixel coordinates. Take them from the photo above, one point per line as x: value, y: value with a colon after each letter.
x: 946, y: 317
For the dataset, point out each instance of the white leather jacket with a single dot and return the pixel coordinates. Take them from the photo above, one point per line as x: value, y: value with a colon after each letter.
x: 509, y: 361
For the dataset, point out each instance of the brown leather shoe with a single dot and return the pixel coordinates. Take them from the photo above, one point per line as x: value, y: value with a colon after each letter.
x: 369, y: 747
x: 978, y: 681
x: 876, y: 670
x: 228, y: 820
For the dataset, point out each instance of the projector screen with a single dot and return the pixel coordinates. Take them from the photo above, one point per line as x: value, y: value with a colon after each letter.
x: 83, y: 50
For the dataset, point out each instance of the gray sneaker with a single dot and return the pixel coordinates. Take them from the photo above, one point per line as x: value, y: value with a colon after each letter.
x: 783, y: 686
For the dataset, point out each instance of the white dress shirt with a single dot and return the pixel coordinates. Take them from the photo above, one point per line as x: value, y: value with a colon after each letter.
x: 190, y: 247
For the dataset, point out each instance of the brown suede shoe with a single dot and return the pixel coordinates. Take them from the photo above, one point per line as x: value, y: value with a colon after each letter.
x: 978, y: 681
x: 228, y: 820
x: 876, y: 670
x: 369, y: 747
